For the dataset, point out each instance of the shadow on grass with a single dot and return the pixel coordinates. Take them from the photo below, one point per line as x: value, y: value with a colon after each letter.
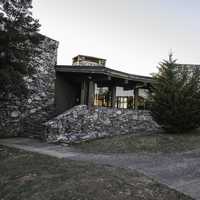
x: 32, y: 176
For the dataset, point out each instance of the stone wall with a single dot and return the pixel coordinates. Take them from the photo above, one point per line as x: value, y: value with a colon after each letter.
x: 14, y: 111
x: 81, y: 124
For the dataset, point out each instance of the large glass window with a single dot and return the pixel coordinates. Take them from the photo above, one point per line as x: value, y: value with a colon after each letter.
x: 121, y: 102
x: 102, y: 96
x: 124, y: 98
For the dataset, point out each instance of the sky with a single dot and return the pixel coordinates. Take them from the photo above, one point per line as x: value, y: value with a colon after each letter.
x: 133, y: 35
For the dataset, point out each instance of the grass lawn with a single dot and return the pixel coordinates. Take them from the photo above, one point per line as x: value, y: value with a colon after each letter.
x: 154, y: 143
x: 30, y: 176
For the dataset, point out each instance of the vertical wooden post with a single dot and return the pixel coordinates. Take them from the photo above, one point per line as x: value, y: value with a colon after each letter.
x: 91, y: 94
x: 136, y: 92
x: 113, y: 93
x: 83, y: 92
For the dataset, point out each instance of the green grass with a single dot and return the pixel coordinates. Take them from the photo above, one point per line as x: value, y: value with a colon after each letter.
x: 30, y: 176
x: 154, y: 143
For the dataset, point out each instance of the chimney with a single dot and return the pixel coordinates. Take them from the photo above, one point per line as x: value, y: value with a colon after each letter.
x: 82, y: 60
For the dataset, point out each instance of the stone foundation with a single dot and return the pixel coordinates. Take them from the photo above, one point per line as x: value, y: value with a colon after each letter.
x: 81, y: 124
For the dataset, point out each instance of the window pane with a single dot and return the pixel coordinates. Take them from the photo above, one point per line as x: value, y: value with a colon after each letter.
x: 102, y: 96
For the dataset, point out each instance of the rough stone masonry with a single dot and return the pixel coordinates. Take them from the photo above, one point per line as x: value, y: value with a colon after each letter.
x: 82, y: 124
x: 14, y: 111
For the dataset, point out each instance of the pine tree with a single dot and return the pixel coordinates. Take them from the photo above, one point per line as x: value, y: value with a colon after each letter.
x: 18, y: 42
x: 175, y: 99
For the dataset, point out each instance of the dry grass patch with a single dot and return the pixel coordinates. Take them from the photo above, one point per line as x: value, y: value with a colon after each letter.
x: 32, y: 176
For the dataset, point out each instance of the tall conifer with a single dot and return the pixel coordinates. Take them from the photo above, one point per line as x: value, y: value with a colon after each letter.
x: 176, y: 96
x: 18, y: 44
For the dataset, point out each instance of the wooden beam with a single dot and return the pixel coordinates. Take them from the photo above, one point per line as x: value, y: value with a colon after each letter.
x: 136, y: 94
x: 113, y: 93
x: 126, y: 81
x: 83, y: 92
x: 91, y: 94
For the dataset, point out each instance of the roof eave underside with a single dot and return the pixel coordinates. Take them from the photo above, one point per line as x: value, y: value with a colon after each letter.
x: 104, y: 71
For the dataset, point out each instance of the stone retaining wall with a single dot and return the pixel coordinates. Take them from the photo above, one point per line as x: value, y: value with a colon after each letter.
x: 81, y: 124
x: 13, y: 111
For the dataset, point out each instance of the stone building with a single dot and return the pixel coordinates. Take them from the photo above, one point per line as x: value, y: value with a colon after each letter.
x: 89, y: 82
x: 78, y: 102
x: 94, y: 101
x: 18, y: 115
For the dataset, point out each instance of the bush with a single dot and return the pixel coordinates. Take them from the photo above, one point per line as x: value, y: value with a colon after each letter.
x: 175, y: 99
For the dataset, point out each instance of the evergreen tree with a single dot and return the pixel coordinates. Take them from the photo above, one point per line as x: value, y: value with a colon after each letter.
x: 18, y: 42
x: 175, y: 99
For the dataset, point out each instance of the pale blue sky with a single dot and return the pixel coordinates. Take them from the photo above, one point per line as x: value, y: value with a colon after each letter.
x: 133, y: 35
